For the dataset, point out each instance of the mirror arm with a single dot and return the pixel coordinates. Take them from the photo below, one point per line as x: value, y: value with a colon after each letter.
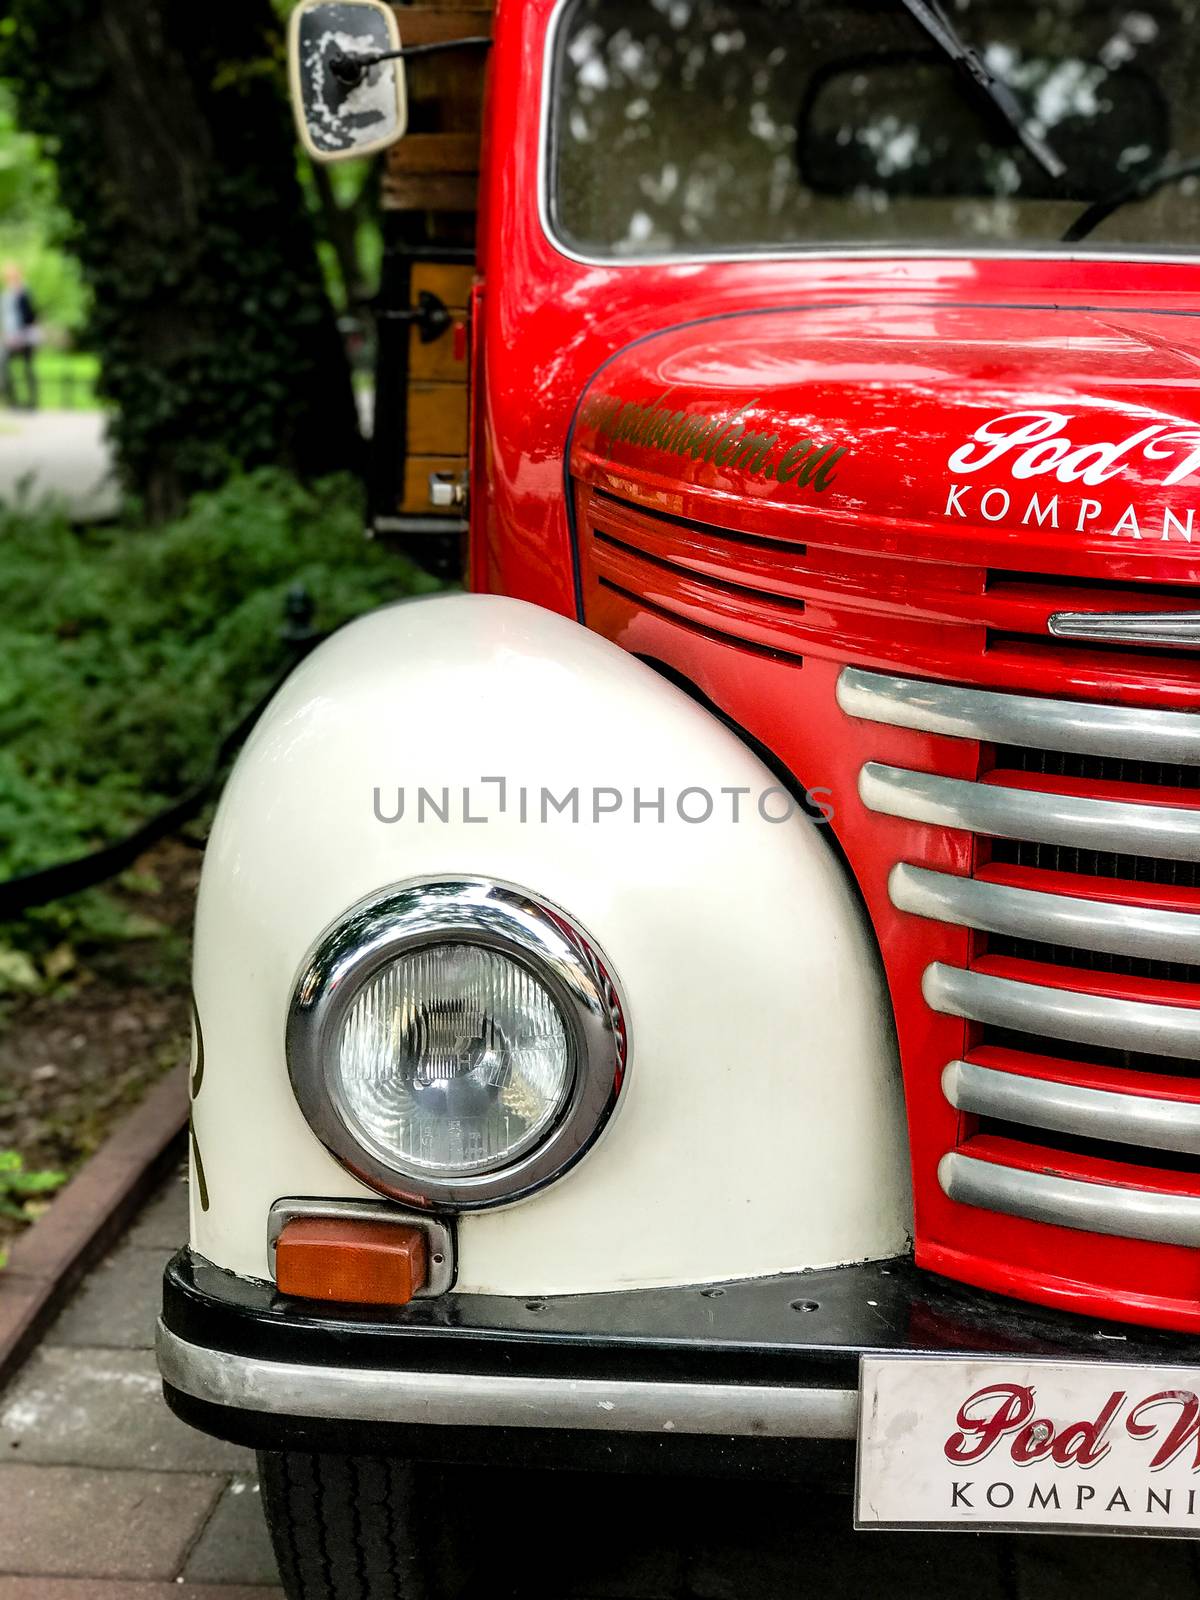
x: 474, y: 41
x: 351, y: 70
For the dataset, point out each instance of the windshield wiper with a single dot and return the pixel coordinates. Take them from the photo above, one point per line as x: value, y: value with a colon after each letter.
x: 984, y: 82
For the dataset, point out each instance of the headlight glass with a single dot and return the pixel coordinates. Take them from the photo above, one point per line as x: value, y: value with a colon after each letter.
x: 453, y: 1059
x: 456, y: 1042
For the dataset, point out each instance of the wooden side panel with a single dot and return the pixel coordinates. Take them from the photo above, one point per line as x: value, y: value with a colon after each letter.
x: 451, y: 282
x: 437, y: 419
x: 437, y: 393
x: 435, y: 363
x: 417, y: 470
x: 434, y: 24
x: 436, y: 169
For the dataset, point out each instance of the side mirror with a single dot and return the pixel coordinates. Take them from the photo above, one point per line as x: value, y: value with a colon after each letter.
x: 348, y: 102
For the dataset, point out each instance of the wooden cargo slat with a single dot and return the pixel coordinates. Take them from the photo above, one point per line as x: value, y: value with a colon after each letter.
x: 435, y: 167
x: 416, y: 481
x: 435, y: 152
x: 437, y: 419
x: 433, y: 24
x: 431, y: 191
x: 450, y: 281
x: 436, y: 362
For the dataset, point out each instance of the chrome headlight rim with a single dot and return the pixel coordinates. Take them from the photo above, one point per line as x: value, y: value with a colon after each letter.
x: 495, y: 915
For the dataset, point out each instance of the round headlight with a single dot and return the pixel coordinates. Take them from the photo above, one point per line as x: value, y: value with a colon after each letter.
x: 456, y: 1043
x: 454, y: 1058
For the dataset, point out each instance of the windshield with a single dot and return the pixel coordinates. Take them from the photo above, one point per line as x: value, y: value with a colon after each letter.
x: 685, y: 127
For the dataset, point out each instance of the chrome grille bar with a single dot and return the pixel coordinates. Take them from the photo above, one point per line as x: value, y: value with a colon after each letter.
x: 1071, y: 1203
x: 1171, y: 832
x: 1180, y: 628
x: 1063, y: 1013
x: 1083, y: 727
x: 1048, y: 918
x: 1143, y: 1124
x: 1072, y: 1108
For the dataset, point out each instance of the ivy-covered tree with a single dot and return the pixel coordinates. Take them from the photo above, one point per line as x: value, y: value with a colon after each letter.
x: 176, y: 167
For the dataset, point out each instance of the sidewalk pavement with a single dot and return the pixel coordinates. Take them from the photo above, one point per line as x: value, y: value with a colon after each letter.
x: 58, y: 455
x: 105, y: 1496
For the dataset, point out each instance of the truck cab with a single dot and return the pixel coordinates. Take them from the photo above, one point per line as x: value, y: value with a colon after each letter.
x: 725, y: 989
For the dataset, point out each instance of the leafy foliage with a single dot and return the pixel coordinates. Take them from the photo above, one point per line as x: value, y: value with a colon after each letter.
x: 127, y: 655
x: 67, y: 379
x: 32, y: 222
x: 26, y: 177
x: 176, y: 166
x: 17, y: 1186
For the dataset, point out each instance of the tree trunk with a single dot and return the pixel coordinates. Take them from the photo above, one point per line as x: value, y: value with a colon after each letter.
x: 177, y: 165
x: 342, y: 221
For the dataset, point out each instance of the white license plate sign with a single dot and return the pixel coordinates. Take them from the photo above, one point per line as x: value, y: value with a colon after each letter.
x: 1056, y: 1446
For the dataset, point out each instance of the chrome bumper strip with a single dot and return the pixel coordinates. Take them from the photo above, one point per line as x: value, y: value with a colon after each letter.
x: 1083, y: 727
x: 355, y: 1394
x: 1069, y: 1108
x: 1071, y: 1203
x: 1169, y: 832
x: 1060, y: 919
x: 1063, y: 1013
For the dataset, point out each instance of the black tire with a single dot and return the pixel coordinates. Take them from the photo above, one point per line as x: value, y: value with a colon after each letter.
x: 363, y: 1527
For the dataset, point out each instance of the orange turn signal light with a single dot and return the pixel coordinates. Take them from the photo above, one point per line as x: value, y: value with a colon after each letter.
x: 358, y: 1263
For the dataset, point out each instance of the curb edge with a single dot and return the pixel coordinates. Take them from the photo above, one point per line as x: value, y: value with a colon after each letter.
x: 87, y: 1217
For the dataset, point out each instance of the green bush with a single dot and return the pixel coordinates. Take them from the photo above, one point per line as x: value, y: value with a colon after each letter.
x: 18, y: 1187
x: 68, y: 380
x: 126, y: 656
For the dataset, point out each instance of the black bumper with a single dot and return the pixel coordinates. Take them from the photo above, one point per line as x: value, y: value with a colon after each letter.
x: 758, y: 1375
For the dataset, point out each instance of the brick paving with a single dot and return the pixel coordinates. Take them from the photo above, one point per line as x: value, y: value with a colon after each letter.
x: 102, y: 1492
x: 105, y: 1496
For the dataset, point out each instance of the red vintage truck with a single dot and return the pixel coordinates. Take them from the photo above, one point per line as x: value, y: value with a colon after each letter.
x: 726, y: 990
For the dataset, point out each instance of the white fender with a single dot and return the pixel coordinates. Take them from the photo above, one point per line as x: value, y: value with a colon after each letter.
x: 762, y: 1127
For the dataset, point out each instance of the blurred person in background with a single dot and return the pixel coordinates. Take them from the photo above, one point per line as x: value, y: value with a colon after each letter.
x: 19, y: 322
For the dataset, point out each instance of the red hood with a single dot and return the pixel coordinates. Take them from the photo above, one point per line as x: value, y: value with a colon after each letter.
x: 1063, y: 437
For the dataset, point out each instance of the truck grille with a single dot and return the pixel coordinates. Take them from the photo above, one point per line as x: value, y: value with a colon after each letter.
x: 1096, y: 863
x: 1078, y: 1085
